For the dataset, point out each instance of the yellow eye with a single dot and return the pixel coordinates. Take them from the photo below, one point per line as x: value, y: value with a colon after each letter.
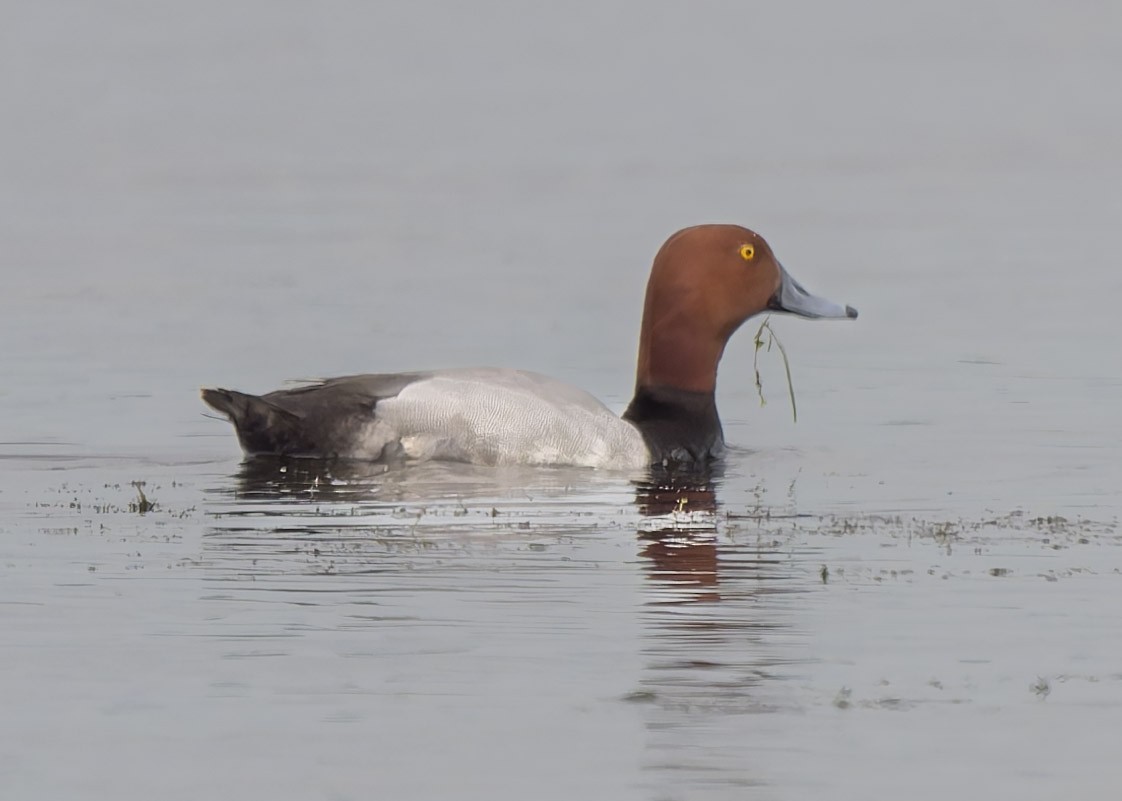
x: 747, y: 252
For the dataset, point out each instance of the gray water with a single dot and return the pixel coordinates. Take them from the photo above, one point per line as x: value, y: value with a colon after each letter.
x: 910, y: 593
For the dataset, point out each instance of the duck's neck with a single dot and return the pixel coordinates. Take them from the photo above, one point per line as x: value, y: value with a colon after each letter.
x: 674, y: 351
x: 678, y: 425
x: 674, y: 406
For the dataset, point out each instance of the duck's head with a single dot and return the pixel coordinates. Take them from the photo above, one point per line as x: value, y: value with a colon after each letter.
x: 705, y: 282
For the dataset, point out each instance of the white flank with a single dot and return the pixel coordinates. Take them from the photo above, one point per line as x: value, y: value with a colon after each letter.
x: 494, y: 416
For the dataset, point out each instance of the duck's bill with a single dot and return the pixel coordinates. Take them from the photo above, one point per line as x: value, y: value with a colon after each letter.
x: 792, y: 298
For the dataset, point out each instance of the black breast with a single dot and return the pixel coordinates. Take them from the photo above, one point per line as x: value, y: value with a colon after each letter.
x: 677, y: 425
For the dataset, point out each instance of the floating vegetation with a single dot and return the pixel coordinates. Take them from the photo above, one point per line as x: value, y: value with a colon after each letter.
x: 762, y: 343
x: 1053, y: 532
x: 141, y: 505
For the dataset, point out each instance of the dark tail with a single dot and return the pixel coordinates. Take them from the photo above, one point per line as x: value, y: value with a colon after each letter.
x: 262, y: 427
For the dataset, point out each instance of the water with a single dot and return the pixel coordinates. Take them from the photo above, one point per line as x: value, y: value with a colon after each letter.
x: 908, y: 594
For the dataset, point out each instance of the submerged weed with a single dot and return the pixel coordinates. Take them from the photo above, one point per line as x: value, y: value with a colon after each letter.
x: 141, y: 505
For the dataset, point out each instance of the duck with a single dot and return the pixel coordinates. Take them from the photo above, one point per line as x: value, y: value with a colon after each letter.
x: 705, y: 282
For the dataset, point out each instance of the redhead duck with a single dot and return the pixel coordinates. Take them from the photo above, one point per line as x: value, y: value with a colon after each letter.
x: 704, y: 283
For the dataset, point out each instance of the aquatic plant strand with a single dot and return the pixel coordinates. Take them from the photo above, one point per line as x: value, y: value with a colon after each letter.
x: 760, y: 343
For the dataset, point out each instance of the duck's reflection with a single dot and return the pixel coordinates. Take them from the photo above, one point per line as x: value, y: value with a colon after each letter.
x: 714, y: 636
x: 689, y: 549
x: 714, y: 612
x: 678, y: 534
x: 272, y: 480
x: 680, y: 514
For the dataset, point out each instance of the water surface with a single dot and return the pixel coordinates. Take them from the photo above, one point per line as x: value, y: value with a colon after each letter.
x: 907, y: 594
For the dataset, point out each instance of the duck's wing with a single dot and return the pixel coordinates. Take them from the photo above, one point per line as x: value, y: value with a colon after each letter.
x: 319, y: 419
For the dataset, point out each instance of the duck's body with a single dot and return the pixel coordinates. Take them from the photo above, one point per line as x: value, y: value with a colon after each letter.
x: 480, y: 415
x: 706, y: 281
